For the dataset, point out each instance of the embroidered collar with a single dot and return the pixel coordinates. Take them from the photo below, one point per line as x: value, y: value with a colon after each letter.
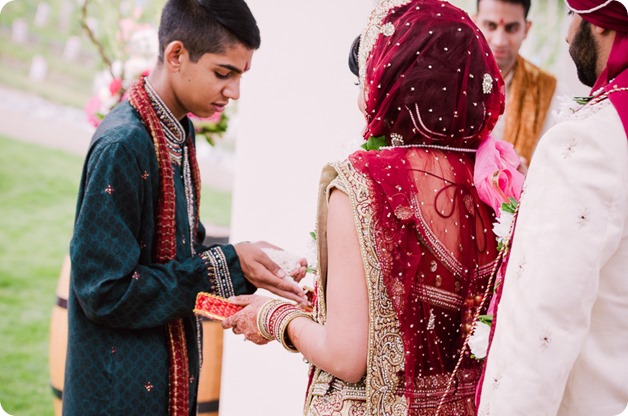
x: 174, y: 131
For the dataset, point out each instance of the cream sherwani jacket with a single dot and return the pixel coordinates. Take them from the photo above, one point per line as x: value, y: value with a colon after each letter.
x: 561, y: 339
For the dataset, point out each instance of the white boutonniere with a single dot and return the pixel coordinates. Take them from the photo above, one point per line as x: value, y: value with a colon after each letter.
x: 567, y: 105
x: 504, y: 224
x: 478, y: 341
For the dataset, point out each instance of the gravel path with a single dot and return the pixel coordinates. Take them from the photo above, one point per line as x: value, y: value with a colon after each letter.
x: 33, y: 119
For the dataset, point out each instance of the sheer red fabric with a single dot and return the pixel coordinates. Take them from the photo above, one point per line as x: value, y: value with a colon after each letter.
x: 431, y: 80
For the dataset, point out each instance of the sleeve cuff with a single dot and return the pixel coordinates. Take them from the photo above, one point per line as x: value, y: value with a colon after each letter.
x: 225, y: 272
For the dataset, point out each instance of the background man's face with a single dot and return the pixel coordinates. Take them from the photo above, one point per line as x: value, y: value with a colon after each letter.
x: 505, y: 27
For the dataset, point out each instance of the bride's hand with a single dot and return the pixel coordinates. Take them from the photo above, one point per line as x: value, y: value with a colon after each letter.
x: 245, y: 321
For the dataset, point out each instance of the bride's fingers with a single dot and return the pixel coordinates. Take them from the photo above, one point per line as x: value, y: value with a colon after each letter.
x: 241, y: 300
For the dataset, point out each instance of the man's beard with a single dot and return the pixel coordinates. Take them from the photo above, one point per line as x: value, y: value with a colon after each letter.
x: 583, y: 51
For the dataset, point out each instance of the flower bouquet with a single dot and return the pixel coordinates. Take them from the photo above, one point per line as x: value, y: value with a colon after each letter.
x: 499, y: 185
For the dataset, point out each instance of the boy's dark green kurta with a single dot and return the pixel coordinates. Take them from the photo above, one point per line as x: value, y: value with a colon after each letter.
x: 120, y: 301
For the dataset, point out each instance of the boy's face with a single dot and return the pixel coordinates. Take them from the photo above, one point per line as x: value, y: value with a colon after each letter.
x: 206, y: 86
x: 505, y: 27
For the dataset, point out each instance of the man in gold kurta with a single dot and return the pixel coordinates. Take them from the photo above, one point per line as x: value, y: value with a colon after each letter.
x: 529, y: 89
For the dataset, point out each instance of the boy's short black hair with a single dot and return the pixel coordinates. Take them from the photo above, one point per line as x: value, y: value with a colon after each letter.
x: 207, y: 26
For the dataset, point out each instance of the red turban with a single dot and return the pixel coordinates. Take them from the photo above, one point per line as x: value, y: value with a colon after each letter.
x: 609, y: 14
x: 612, y: 15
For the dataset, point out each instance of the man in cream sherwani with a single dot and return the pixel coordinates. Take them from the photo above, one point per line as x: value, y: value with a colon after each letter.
x: 560, y: 345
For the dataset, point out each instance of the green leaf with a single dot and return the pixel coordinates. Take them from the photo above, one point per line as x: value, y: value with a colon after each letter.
x: 374, y: 143
x: 486, y: 319
x: 313, y: 235
x: 582, y: 100
x: 511, y: 206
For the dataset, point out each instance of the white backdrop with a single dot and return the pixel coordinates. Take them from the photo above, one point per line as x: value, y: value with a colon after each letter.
x: 298, y: 110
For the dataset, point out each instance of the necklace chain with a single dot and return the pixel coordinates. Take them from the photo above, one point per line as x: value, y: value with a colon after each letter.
x: 431, y: 146
x: 492, y: 281
x: 605, y: 95
x: 175, y: 141
x: 175, y: 133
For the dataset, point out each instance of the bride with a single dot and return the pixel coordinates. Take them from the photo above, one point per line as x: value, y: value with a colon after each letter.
x: 405, y: 247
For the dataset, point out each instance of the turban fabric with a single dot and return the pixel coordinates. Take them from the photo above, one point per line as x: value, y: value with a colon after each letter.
x: 612, y: 15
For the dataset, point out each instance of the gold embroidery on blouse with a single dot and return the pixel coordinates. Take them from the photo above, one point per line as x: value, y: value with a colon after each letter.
x: 381, y: 391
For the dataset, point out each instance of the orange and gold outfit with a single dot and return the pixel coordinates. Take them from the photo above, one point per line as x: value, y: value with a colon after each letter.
x: 528, y: 101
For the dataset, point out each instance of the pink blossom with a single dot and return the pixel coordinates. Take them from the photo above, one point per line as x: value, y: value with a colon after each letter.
x: 92, y: 108
x: 115, y: 86
x: 496, y: 176
x: 125, y: 26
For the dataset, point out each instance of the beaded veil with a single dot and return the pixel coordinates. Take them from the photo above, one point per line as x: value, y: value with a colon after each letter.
x: 450, y: 91
x: 433, y: 90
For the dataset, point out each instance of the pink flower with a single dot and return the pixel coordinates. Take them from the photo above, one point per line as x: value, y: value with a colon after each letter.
x: 92, y: 109
x: 115, y: 86
x: 496, y: 176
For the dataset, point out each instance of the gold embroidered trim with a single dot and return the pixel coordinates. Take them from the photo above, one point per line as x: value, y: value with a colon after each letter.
x: 218, y: 271
x: 441, y: 298
x: 373, y: 29
x: 385, y: 351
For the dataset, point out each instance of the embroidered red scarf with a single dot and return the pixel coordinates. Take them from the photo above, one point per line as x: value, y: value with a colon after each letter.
x: 166, y: 243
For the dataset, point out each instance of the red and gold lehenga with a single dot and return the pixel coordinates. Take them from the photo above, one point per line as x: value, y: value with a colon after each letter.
x: 453, y: 256
x: 433, y: 92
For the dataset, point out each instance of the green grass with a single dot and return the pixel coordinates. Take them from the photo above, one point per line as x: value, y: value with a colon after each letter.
x: 215, y: 207
x: 37, y: 194
x: 38, y: 189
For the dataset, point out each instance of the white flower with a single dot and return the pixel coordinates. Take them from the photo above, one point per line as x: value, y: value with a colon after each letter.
x: 501, y: 227
x: 478, y: 342
x: 289, y: 262
x: 566, y: 107
x: 312, y: 253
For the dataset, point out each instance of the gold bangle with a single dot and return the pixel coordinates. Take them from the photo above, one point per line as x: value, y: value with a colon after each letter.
x: 283, y: 329
x: 262, y: 320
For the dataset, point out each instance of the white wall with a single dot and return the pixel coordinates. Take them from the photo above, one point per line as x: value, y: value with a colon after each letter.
x: 298, y: 110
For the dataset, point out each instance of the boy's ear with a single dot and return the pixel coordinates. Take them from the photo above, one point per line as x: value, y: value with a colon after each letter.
x: 173, y: 55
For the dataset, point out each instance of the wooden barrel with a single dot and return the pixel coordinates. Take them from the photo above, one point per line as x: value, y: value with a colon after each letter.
x: 209, y: 381
x: 59, y: 336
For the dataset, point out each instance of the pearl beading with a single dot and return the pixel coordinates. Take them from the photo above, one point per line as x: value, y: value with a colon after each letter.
x: 432, y: 146
x: 604, y: 96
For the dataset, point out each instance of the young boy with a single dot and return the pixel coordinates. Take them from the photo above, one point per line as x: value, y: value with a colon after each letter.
x: 137, y: 256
